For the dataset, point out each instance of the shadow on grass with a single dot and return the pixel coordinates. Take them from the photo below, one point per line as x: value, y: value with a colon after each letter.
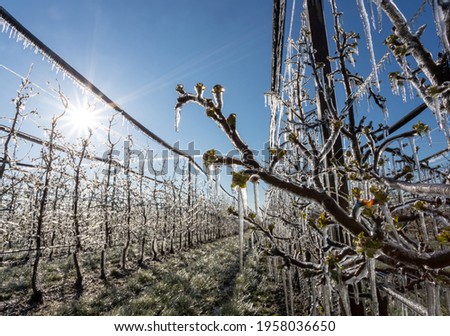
x: 194, y: 282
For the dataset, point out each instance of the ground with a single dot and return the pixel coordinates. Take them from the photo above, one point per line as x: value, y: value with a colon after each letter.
x: 201, y: 281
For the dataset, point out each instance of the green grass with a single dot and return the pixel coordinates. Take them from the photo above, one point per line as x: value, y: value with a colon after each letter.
x: 254, y: 293
x: 201, y: 281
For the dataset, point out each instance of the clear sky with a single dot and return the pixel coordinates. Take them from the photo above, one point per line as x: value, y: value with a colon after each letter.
x: 137, y: 51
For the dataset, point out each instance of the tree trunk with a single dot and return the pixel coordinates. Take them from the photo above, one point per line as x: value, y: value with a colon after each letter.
x: 79, y: 280
x: 142, y: 252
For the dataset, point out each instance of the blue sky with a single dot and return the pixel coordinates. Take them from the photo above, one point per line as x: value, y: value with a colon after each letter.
x: 137, y: 51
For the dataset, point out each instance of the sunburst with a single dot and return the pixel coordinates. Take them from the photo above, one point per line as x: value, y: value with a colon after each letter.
x: 81, y: 118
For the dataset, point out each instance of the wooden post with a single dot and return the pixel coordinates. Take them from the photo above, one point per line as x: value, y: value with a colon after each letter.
x: 318, y: 31
x: 278, y: 22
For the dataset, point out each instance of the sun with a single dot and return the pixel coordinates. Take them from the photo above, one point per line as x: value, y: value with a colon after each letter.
x: 80, y: 120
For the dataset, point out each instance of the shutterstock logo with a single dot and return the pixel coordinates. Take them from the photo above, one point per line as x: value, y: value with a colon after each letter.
x: 164, y: 162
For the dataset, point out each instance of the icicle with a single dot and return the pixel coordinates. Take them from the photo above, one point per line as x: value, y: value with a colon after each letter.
x: 439, y: 19
x: 210, y: 172
x: 373, y: 286
x: 400, y: 147
x: 313, y: 301
x: 243, y: 192
x: 275, y: 268
x: 7, y: 27
x: 269, y: 267
x: 292, y: 20
x: 327, y: 290
x: 437, y: 112
x: 412, y: 143
x: 423, y: 227
x: 384, y: 167
x: 273, y: 104
x: 437, y: 295
x: 372, y: 16
x: 280, y: 115
x: 368, y: 33
x: 404, y: 309
x: 447, y: 300
x: 256, y: 197
x: 217, y: 182
x: 430, y: 141
x: 273, y: 127
x: 385, y: 115
x: 445, y: 126
x: 177, y: 118
x: 3, y: 25
x: 321, y: 79
x: 431, y: 298
x: 412, y: 94
x: 403, y: 93
x: 336, y: 178
x: 380, y: 15
x: 351, y: 59
x: 435, y: 226
x: 356, y: 292
x: 286, y: 292
x: 291, y: 291
x: 416, y: 293
x: 241, y: 226
x: 343, y: 292
x: 390, y: 221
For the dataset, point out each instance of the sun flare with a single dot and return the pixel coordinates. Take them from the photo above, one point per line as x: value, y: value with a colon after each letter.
x: 81, y: 120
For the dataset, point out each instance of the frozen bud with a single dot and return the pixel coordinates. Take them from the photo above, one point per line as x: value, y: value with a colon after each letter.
x: 217, y: 92
x: 217, y: 89
x: 180, y: 89
x: 231, y: 121
x: 239, y: 179
x: 209, y: 157
x: 199, y: 89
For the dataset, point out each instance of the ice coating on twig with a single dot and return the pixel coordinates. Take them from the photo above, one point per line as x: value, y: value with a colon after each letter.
x: 368, y: 33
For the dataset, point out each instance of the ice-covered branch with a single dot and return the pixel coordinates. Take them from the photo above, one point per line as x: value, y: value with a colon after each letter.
x: 247, y: 160
x: 292, y: 261
x: 421, y: 55
x: 328, y: 146
x: 318, y: 197
x: 379, y: 150
x: 439, y: 259
x: 214, y: 111
x: 418, y: 188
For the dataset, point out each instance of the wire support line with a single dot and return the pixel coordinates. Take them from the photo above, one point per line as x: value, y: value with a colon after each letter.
x: 24, y: 33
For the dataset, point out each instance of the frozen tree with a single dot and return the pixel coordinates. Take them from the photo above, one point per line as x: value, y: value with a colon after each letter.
x: 355, y: 209
x: 24, y: 93
x: 49, y: 156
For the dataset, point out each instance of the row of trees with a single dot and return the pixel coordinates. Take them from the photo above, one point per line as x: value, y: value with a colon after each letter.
x: 65, y: 200
x: 356, y: 215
